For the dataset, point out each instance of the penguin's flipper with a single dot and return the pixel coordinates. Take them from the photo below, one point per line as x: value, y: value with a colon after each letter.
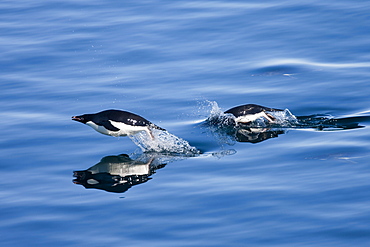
x: 108, y: 125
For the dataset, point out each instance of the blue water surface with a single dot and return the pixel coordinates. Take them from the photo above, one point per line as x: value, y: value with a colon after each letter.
x: 177, y: 63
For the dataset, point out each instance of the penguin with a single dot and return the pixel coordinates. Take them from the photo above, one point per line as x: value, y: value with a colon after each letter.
x: 117, y: 123
x: 246, y: 114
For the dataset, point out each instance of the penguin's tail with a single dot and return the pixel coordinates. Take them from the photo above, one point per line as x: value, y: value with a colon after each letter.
x: 156, y: 127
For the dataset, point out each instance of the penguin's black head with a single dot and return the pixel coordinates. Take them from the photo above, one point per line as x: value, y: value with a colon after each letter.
x: 83, y: 118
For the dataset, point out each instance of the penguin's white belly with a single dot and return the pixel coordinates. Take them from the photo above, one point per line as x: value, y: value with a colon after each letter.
x: 124, y: 129
x: 252, y: 117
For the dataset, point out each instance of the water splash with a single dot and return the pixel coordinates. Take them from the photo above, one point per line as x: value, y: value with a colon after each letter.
x: 284, y: 119
x: 215, y: 116
x: 163, y: 142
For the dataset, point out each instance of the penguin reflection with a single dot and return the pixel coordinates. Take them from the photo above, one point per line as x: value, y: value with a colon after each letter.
x: 117, y: 173
x: 255, y: 135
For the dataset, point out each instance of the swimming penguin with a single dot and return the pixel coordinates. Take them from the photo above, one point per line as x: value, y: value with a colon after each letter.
x: 245, y: 114
x: 117, y: 123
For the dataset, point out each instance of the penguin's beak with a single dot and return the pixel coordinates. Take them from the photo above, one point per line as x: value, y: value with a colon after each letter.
x: 77, y: 118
